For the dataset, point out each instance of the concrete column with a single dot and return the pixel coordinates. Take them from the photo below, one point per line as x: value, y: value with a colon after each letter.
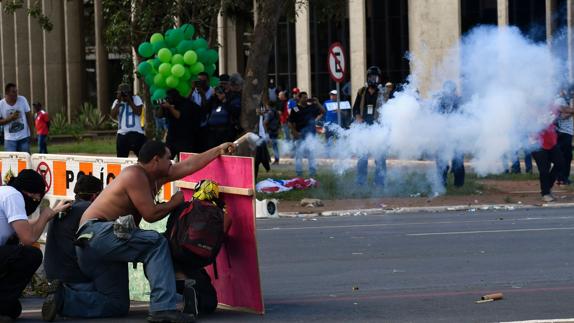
x: 22, y: 52
x: 222, y: 41
x: 502, y: 8
x: 54, y: 58
x: 303, y: 47
x: 233, y: 46
x: 358, y: 43
x: 550, y: 26
x: 7, y: 41
x: 435, y: 48
x: 36, y: 47
x: 104, y: 103
x: 73, y: 11
x: 570, y: 22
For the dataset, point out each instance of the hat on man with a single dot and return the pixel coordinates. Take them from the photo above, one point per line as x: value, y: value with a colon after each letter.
x: 295, y: 90
x: 29, y: 181
x: 88, y: 184
x: 333, y: 92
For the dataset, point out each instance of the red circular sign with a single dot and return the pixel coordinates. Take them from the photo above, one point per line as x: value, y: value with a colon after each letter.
x: 44, y: 170
x: 336, y: 62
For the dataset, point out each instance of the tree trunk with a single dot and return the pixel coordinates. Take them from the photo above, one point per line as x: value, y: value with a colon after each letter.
x: 269, y: 12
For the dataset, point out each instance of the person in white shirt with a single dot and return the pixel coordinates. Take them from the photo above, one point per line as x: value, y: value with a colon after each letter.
x: 16, y: 117
x: 128, y: 109
x: 19, y: 259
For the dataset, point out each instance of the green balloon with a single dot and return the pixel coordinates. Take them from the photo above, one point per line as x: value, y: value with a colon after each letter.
x: 173, y: 37
x: 157, y: 46
x: 177, y: 59
x: 188, y: 30
x: 165, y: 69
x: 190, y: 57
x: 178, y: 70
x: 214, y: 81
x: 199, y: 43
x: 159, y: 80
x: 196, y: 68
x: 158, y: 94
x: 145, y: 49
x: 157, y: 37
x: 184, y: 46
x: 152, y: 89
x: 183, y: 88
x: 164, y: 55
x: 172, y: 81
x: 202, y: 55
x: 186, y: 76
x: 144, y: 68
x: 211, y: 56
x: 209, y: 69
x: 149, y: 79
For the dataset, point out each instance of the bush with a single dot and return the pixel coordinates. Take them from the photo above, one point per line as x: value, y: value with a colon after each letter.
x: 88, y: 118
x: 92, y: 119
x: 59, y: 125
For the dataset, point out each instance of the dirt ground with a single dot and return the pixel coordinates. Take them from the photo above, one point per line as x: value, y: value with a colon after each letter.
x: 525, y: 192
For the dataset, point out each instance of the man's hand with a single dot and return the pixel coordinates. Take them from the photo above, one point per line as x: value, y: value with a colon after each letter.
x: 119, y: 96
x: 14, y: 116
x: 227, y: 148
x: 61, y: 206
x: 177, y: 198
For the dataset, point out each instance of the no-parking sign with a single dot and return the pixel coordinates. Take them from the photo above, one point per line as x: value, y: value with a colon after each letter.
x: 336, y: 62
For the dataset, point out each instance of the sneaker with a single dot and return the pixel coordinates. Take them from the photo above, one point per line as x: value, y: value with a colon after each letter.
x: 170, y: 316
x: 548, y: 198
x: 53, y: 302
x: 190, y: 298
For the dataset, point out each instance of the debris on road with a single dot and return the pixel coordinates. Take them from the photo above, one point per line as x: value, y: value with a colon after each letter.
x: 311, y: 203
x: 490, y: 298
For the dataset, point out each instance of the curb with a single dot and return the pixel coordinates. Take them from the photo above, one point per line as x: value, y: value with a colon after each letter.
x: 431, y: 209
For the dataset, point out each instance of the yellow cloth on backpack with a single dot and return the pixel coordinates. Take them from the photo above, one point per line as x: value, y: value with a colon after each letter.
x: 206, y: 190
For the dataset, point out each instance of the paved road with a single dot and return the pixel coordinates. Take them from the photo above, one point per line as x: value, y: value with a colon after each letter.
x: 413, y: 268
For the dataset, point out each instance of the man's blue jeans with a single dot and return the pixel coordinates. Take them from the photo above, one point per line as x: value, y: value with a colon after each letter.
x: 22, y: 145
x: 104, y: 259
x: 301, y: 151
x: 43, y: 144
x: 380, y: 170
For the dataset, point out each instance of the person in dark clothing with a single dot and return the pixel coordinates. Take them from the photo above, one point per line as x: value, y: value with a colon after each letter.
x: 219, y: 119
x: 302, y: 121
x: 183, y: 121
x: 272, y: 123
x: 234, y: 103
x: 60, y: 262
x: 449, y: 102
x: 548, y: 154
x: 366, y: 110
x: 19, y: 259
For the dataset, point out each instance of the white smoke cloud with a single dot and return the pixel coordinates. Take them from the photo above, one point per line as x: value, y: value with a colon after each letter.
x: 507, y: 85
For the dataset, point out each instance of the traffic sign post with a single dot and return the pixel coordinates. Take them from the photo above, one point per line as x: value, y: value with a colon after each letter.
x: 337, y: 67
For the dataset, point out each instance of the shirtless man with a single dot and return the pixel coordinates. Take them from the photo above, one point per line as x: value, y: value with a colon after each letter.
x: 105, y: 249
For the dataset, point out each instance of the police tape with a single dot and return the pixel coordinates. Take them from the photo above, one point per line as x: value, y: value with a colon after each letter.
x: 60, y: 172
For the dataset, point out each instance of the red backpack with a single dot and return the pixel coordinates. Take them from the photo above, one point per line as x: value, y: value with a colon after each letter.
x: 197, y: 233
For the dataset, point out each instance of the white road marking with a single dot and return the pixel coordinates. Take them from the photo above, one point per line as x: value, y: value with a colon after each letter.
x: 544, y: 321
x: 485, y: 231
x: 413, y: 223
x: 37, y: 311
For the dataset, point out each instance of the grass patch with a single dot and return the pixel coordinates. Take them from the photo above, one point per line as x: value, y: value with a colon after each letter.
x: 88, y: 146
x: 334, y: 186
x: 511, y: 177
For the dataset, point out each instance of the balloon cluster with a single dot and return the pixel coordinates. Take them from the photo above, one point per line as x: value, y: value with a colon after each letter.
x: 174, y: 60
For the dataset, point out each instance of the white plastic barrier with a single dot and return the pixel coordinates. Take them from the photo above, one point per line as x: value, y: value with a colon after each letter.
x: 61, y: 172
x: 11, y: 163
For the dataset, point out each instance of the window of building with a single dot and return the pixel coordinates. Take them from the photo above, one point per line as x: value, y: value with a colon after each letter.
x: 530, y: 17
x: 477, y: 12
x: 388, y: 38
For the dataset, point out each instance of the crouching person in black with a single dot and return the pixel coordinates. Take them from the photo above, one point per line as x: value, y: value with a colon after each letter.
x: 60, y: 262
x: 19, y: 260
x: 195, y: 231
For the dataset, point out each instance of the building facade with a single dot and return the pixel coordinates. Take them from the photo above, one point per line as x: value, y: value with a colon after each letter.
x: 69, y: 65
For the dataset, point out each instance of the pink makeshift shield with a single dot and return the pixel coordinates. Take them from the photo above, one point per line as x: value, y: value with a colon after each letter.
x: 238, y: 285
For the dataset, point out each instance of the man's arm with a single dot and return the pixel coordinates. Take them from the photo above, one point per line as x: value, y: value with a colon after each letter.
x: 8, y: 119
x: 170, y: 108
x: 137, y: 108
x: 196, y: 162
x: 29, y: 232
x: 140, y: 195
x: 116, y: 108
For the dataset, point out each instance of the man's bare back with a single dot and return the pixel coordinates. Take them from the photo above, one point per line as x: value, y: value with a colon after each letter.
x: 133, y: 191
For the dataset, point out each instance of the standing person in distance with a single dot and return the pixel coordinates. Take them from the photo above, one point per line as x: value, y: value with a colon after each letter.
x: 16, y: 117
x: 128, y: 107
x: 42, y: 120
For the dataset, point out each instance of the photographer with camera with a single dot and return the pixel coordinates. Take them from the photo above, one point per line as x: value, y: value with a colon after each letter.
x: 128, y: 107
x: 182, y: 122
x: 302, y: 120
